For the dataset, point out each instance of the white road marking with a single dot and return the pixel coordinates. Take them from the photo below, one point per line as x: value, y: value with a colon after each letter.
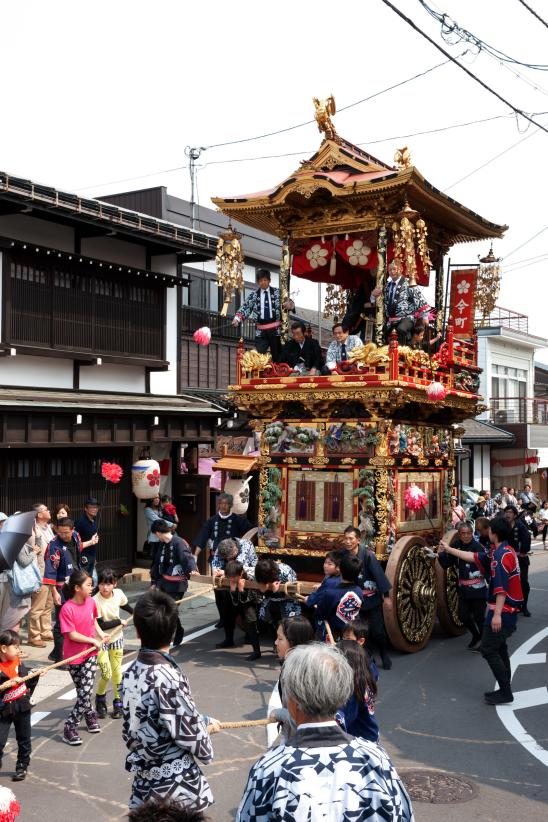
x: 71, y: 695
x: 37, y: 716
x: 526, y: 699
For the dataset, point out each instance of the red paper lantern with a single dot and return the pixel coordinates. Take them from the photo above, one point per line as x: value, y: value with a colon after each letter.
x: 202, y: 336
x: 111, y: 472
x: 415, y: 498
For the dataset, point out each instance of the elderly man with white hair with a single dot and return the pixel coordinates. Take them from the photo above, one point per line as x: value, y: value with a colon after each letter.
x: 323, y: 773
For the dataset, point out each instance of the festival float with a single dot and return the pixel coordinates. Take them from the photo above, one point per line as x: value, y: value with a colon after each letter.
x: 373, y: 443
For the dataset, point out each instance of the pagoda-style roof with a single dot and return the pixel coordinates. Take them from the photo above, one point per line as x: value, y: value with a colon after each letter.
x: 344, y: 189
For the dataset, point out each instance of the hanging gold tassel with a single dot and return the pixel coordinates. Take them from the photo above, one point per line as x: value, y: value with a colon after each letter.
x: 230, y: 265
x: 410, y: 239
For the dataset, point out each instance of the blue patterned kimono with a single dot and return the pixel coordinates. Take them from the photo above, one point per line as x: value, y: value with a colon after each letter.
x: 324, y: 775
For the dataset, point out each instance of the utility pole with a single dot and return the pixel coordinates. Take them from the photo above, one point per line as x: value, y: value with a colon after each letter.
x: 193, y: 154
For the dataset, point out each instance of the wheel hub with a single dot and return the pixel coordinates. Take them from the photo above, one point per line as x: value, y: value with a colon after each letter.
x: 422, y: 593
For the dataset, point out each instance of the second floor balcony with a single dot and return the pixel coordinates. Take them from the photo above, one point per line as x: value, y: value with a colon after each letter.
x: 504, y: 318
x: 515, y: 410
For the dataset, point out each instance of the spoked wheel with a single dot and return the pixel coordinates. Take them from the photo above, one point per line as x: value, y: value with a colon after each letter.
x: 447, y: 593
x: 410, y: 621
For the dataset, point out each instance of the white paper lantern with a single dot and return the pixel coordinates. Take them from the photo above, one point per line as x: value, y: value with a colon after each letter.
x: 145, y: 479
x: 239, y: 489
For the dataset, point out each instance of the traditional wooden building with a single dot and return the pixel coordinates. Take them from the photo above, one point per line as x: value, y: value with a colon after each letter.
x: 89, y: 357
x: 213, y: 368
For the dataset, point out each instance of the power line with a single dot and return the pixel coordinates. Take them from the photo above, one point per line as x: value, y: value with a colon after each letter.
x: 528, y: 259
x: 455, y: 61
x: 450, y: 30
x: 516, y: 268
x: 308, y: 150
x: 530, y: 240
x: 492, y: 160
x: 366, y: 142
x: 130, y: 179
x: 344, y: 108
x: 534, y: 13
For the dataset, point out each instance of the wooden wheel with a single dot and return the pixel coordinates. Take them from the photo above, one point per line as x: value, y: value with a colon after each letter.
x: 410, y: 620
x: 447, y: 594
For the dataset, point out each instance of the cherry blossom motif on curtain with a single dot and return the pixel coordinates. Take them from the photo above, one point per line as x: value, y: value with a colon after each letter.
x: 341, y: 259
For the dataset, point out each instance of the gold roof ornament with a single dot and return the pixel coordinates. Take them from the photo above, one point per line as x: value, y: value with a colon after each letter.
x: 324, y: 109
x: 402, y: 158
x: 342, y: 189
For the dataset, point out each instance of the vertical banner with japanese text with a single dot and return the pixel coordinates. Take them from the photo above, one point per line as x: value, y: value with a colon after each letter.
x: 462, y: 303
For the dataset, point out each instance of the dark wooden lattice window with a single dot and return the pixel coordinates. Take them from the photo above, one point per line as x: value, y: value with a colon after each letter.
x: 64, y: 306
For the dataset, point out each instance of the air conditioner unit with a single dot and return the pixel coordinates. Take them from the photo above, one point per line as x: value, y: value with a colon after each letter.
x: 506, y: 416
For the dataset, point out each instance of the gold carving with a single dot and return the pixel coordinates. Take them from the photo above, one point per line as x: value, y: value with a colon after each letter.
x: 369, y: 354
x: 255, y: 362
x: 380, y: 281
x: 291, y: 460
x: 402, y: 158
x: 285, y: 266
x: 414, y: 358
x: 324, y: 109
x: 307, y: 189
x: 381, y: 511
x: 348, y: 461
x: 318, y: 460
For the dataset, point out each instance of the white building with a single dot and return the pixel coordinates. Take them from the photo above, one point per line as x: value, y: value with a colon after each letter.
x: 514, y: 426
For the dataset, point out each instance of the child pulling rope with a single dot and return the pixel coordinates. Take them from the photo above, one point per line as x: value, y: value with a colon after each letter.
x: 46, y: 669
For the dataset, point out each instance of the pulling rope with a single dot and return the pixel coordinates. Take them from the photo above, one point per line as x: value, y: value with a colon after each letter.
x: 46, y: 669
x: 329, y: 632
x: 116, y: 632
x: 41, y: 671
x: 250, y: 723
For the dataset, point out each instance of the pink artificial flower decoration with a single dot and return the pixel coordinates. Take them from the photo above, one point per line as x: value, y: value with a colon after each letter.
x: 9, y: 806
x: 153, y: 478
x: 436, y: 391
x: 415, y: 498
x: 202, y: 336
x: 111, y: 472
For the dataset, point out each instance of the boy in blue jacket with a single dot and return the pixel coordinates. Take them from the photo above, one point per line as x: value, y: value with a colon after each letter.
x: 340, y: 604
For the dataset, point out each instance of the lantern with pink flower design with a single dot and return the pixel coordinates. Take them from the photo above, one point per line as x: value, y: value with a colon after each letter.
x: 145, y: 478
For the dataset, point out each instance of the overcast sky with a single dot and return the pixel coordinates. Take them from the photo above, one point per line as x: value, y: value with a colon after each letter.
x: 95, y: 93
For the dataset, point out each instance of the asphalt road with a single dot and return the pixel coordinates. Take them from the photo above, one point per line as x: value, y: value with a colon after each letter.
x: 430, y: 710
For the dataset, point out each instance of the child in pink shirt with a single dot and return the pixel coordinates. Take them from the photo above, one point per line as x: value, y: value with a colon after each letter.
x: 78, y: 620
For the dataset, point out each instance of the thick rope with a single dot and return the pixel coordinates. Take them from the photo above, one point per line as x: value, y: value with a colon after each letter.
x: 250, y: 723
x: 118, y: 630
x: 46, y: 669
x: 329, y: 632
x: 41, y: 671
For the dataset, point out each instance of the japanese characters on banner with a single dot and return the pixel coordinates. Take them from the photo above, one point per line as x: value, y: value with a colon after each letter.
x: 463, y: 298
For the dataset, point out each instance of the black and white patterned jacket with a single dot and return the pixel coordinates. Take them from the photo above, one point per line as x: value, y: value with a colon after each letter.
x: 323, y: 773
x: 251, y: 309
x: 408, y: 301
x: 164, y: 733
